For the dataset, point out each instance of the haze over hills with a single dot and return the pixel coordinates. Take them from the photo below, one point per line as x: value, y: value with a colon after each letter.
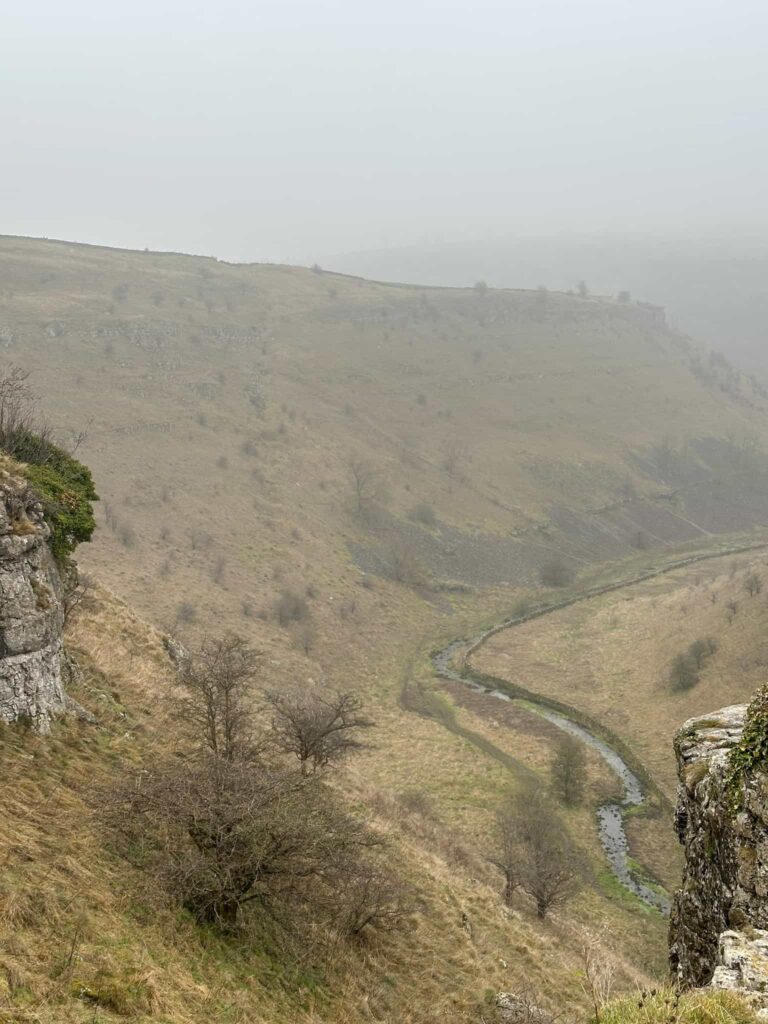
x: 352, y: 474
x: 712, y: 285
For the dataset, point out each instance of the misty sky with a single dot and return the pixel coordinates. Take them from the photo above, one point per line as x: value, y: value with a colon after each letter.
x: 276, y: 129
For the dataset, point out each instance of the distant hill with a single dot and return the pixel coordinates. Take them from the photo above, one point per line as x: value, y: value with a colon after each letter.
x: 225, y: 405
x: 715, y: 288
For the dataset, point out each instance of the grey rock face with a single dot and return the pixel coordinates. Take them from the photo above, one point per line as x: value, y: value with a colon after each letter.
x: 31, y: 615
x: 743, y: 967
x: 719, y: 916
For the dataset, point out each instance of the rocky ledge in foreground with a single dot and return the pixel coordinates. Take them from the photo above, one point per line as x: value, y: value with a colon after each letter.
x: 31, y: 612
x: 718, y: 925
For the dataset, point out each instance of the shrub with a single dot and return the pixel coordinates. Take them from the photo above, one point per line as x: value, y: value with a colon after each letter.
x: 684, y: 674
x: 702, y: 649
x: 406, y: 567
x: 186, y: 612
x: 291, y: 607
x: 423, y: 513
x: 66, y: 489
x: 555, y: 573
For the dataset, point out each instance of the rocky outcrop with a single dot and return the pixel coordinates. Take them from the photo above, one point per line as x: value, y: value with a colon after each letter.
x: 720, y: 913
x: 31, y: 615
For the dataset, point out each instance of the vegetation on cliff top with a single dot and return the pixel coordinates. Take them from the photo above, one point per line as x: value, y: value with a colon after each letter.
x: 63, y: 484
x: 66, y: 489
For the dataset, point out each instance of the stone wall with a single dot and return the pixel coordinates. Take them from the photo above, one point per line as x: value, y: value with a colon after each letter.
x: 31, y: 613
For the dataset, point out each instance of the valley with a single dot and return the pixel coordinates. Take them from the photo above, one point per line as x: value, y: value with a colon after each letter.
x: 354, y: 476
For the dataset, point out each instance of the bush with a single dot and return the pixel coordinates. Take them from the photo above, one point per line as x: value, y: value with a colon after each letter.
x: 423, y: 513
x: 66, y: 489
x: 684, y: 674
x: 406, y: 567
x: 186, y: 612
x: 291, y: 607
x: 702, y: 649
x: 555, y: 573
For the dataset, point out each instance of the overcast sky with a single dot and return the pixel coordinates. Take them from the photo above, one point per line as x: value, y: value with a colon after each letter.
x: 273, y: 129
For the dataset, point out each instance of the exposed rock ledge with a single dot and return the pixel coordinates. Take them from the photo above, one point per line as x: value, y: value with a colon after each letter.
x: 31, y: 614
x: 719, y: 916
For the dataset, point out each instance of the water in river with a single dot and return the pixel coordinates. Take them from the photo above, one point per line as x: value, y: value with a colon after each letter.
x: 610, y: 816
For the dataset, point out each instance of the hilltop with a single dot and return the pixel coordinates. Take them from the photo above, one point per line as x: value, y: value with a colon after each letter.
x: 712, y: 284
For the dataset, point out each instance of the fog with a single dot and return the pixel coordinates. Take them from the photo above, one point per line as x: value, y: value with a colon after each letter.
x: 285, y: 129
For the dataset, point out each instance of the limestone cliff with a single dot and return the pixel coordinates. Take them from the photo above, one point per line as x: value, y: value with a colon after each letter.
x: 31, y: 614
x: 720, y: 913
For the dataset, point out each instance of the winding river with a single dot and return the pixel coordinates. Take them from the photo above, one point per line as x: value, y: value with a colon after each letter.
x: 610, y: 816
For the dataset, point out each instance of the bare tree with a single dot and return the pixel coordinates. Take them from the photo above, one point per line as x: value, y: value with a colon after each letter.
x: 569, y: 771
x: 23, y: 434
x: 753, y: 584
x: 217, y: 701
x: 405, y: 566
x: 368, y: 488
x: 545, y: 861
x: 454, y: 456
x: 317, y: 730
x: 506, y: 854
x: 220, y: 835
x: 77, y: 588
x: 373, y: 896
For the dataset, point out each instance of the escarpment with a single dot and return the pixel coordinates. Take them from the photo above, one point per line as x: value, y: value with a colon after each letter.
x: 719, y: 922
x: 31, y: 612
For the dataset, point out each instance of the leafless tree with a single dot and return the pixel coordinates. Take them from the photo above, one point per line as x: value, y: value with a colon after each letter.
x: 77, y: 589
x: 406, y: 567
x: 545, y: 862
x: 454, y: 456
x: 368, y: 488
x: 373, y: 896
x: 217, y: 699
x: 569, y: 771
x: 220, y: 835
x: 753, y: 584
x: 506, y: 854
x: 23, y: 434
x: 317, y: 730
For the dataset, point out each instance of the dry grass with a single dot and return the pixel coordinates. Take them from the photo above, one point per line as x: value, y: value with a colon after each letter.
x: 83, y: 939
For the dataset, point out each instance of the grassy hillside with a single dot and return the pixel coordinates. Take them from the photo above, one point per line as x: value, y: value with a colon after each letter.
x: 83, y: 938
x: 226, y: 408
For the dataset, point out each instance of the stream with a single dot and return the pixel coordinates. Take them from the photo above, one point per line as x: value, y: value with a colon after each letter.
x: 610, y: 816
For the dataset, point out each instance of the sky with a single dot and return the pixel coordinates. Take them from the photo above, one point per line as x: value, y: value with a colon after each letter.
x: 285, y: 129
